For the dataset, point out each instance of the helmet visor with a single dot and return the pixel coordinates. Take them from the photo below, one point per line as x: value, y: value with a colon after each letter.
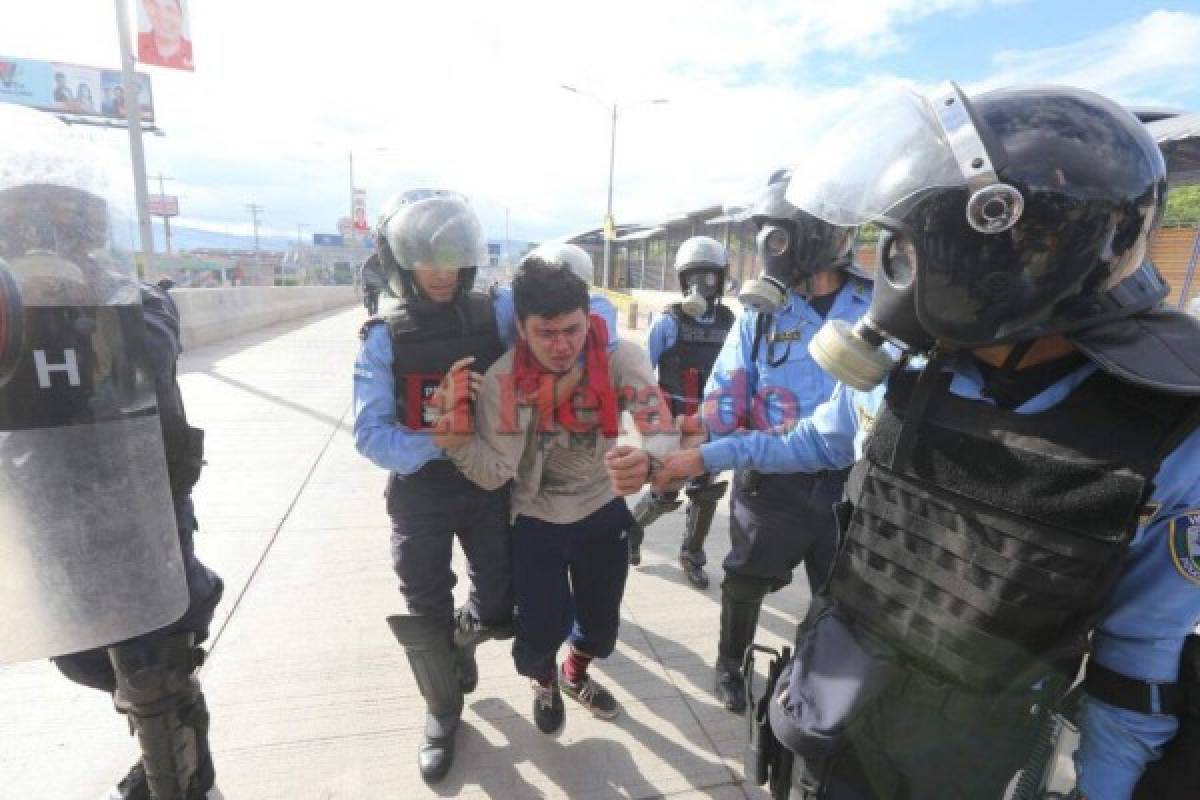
x: 895, y: 147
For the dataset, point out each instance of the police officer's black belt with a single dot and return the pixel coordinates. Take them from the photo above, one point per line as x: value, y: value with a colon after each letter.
x: 1133, y: 694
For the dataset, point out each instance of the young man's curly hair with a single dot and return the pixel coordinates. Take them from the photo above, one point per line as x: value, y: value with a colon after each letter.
x: 547, y: 290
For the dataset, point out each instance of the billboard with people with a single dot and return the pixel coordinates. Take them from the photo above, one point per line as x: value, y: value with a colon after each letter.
x: 71, y: 88
x: 164, y: 36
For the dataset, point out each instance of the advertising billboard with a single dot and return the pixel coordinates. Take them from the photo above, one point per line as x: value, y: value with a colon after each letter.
x: 360, y: 211
x: 70, y: 88
x: 162, y: 205
x: 164, y: 35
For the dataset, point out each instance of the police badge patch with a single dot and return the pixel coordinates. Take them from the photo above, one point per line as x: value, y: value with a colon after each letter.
x: 1185, y: 544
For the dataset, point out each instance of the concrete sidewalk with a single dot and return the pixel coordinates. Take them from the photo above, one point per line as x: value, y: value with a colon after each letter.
x: 310, y: 695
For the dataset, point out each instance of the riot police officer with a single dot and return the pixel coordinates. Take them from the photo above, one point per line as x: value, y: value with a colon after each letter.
x: 89, y: 404
x: 764, y: 378
x: 1025, y: 487
x: 683, y: 344
x: 431, y: 249
x: 373, y: 283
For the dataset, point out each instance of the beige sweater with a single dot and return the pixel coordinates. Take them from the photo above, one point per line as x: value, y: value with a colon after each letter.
x: 558, y: 476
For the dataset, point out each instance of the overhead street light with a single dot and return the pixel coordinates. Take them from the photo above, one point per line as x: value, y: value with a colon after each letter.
x: 609, y: 223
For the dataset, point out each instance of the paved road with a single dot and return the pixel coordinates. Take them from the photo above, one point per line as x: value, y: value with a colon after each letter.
x: 311, y: 697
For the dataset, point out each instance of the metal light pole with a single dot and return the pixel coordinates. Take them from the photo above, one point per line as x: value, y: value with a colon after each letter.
x: 610, y: 227
x: 133, y: 117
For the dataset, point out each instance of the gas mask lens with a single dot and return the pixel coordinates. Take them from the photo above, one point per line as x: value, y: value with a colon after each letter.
x: 898, y: 262
x: 776, y: 241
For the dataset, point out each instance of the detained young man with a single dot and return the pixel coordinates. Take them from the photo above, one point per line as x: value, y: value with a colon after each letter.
x: 545, y: 415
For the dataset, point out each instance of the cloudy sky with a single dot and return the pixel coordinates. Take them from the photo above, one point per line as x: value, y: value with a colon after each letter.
x: 468, y: 95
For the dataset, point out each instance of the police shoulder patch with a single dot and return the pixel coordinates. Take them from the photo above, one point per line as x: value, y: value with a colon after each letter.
x: 1184, y: 541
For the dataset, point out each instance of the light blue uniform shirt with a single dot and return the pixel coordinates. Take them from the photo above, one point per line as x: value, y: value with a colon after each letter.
x: 377, y: 434
x: 784, y: 383
x: 1154, y: 606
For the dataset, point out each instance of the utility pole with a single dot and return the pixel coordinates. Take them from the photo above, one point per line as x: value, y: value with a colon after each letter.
x: 255, y: 210
x: 162, y: 193
x: 133, y: 118
x: 608, y: 275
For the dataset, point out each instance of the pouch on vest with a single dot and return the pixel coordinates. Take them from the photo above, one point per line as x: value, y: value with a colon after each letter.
x: 835, y: 676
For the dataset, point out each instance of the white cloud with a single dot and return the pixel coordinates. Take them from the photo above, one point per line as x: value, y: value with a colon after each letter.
x: 466, y: 95
x: 1155, y: 59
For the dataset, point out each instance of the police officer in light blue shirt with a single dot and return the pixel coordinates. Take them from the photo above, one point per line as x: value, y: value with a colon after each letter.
x: 1027, y: 476
x: 431, y: 247
x: 683, y: 344
x: 764, y: 377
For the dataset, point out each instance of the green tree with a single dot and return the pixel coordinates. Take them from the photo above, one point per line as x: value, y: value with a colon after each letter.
x: 1183, y: 206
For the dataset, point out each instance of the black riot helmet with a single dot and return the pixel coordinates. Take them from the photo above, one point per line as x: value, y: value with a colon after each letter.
x: 435, y: 232
x: 793, y: 245
x: 1012, y: 215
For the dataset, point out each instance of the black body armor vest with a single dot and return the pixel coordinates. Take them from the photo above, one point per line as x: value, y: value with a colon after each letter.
x: 683, y: 368
x: 426, y: 340
x: 984, y: 543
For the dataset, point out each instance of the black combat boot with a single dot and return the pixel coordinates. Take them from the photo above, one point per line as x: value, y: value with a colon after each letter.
x: 429, y: 644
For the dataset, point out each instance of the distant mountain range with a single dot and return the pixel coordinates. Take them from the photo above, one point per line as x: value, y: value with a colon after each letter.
x: 184, y: 238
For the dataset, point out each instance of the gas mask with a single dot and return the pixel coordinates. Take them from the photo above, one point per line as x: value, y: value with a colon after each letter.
x: 702, y: 289
x: 1016, y: 214
x: 793, y: 245
x: 856, y: 354
x: 766, y: 293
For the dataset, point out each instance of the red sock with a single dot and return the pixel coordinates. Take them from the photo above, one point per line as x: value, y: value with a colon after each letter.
x: 575, y: 667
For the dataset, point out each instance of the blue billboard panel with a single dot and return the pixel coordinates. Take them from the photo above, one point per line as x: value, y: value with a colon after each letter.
x: 328, y: 240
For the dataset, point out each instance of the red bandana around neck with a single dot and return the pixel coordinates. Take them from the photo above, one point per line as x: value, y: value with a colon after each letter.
x: 595, y: 390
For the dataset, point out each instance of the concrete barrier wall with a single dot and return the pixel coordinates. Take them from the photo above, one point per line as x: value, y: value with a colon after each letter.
x: 210, y: 315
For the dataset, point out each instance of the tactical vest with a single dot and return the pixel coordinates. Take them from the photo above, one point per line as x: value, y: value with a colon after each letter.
x: 426, y: 340
x: 683, y: 368
x: 985, y: 543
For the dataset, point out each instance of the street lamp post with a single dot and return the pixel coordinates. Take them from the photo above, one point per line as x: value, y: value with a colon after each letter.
x: 610, y: 226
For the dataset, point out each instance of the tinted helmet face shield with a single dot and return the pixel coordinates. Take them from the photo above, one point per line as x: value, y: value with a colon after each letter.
x: 1020, y: 208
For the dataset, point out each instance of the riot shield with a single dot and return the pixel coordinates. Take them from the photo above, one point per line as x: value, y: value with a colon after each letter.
x: 89, y: 546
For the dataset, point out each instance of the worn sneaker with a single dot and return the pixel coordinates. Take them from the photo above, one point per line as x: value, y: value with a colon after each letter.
x: 548, y: 711
x: 591, y: 695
